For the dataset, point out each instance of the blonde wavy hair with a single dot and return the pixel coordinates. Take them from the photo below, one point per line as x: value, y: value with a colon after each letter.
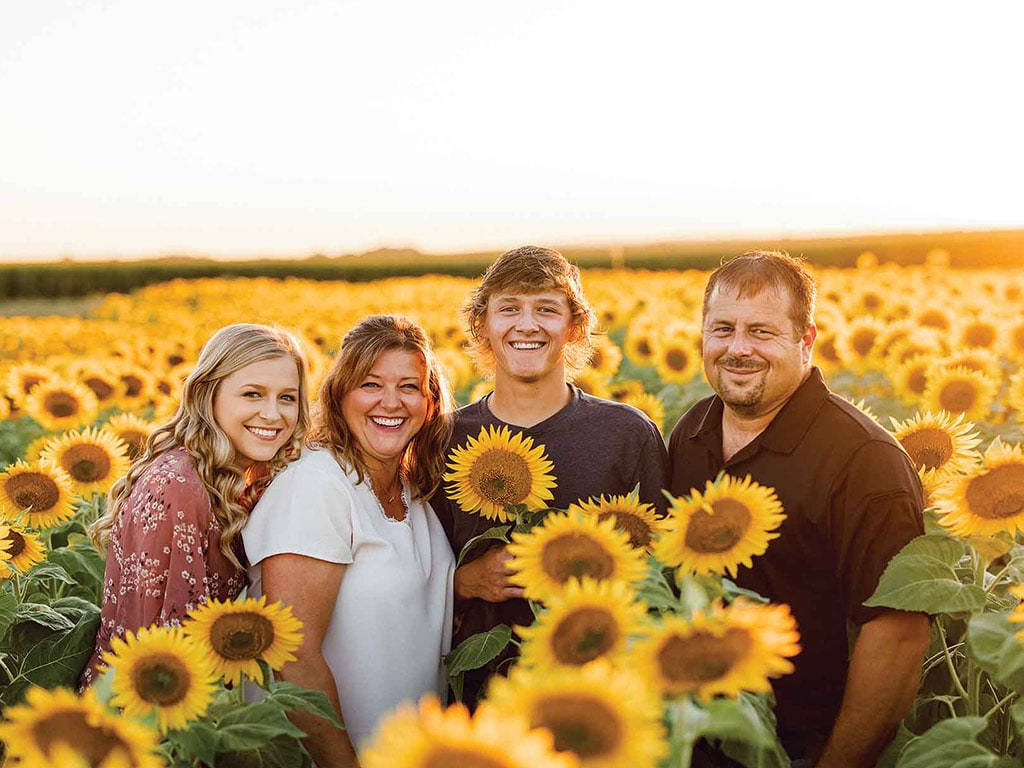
x: 424, y: 458
x: 532, y: 269
x: 232, y: 490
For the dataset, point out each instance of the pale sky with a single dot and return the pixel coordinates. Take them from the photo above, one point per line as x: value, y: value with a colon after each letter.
x: 251, y: 128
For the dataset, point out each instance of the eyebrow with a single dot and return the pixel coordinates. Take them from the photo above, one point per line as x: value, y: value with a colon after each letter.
x: 264, y: 386
x: 404, y: 378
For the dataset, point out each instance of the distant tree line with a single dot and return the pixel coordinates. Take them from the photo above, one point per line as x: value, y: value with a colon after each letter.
x: 85, y: 278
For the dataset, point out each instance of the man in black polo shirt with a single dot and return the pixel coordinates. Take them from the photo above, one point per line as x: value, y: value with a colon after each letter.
x: 530, y: 326
x: 851, y: 496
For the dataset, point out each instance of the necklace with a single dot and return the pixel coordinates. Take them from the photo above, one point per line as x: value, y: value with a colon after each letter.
x: 394, y: 492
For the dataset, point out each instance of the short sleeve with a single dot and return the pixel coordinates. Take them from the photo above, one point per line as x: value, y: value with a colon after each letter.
x: 874, y: 513
x: 306, y: 510
x: 652, y: 469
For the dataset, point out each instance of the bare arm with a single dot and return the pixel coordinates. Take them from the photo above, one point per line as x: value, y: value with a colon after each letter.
x: 311, y: 586
x: 486, y: 578
x: 884, y: 675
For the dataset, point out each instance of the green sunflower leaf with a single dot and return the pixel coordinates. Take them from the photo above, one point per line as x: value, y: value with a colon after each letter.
x: 291, y: 696
x: 952, y: 742
x: 992, y: 643
x: 922, y: 577
x: 477, y: 650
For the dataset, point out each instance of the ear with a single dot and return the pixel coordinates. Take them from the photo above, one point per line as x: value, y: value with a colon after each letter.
x: 807, y: 342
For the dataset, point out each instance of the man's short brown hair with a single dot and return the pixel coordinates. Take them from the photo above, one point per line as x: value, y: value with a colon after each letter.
x: 531, y: 269
x: 754, y: 271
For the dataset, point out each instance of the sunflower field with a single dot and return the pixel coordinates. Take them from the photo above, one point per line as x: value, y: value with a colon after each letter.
x: 642, y: 646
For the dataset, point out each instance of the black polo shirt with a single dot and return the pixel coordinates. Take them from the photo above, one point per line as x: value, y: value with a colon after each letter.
x: 852, y: 500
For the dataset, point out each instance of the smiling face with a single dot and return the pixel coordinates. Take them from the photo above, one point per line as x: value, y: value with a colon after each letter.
x: 257, y: 407
x: 388, y: 407
x: 754, y: 356
x: 526, y: 333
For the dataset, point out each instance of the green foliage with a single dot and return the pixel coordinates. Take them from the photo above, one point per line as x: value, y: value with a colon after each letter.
x: 952, y: 743
x: 922, y: 577
x: 993, y: 644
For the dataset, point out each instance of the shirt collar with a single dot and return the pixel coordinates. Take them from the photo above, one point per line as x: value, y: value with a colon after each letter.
x: 790, y: 425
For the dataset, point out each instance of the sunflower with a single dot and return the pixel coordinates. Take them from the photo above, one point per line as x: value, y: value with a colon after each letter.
x: 620, y: 390
x: 720, y: 529
x: 21, y: 378
x: 825, y: 355
x: 429, y: 736
x: 606, y: 357
x: 856, y: 344
x: 721, y: 651
x: 984, y: 360
x: 989, y: 499
x: 58, y: 724
x: 648, y: 404
x: 588, y: 620
x: 940, y: 445
x: 457, y: 366
x: 960, y: 390
x: 133, y: 430
x: 677, y: 358
x: 980, y: 333
x: 909, y: 379
x: 630, y: 514
x: 235, y: 636
x: 566, y: 547
x: 1013, y: 340
x: 160, y: 671
x: 21, y: 550
x: 138, y: 386
x: 94, y: 458
x: 105, y: 385
x: 608, y: 717
x: 5, y: 406
x: 1015, y: 394
x: 57, y: 404
x: 593, y: 382
x: 639, y: 346
x: 497, y: 469
x: 41, y: 490
x: 862, y: 406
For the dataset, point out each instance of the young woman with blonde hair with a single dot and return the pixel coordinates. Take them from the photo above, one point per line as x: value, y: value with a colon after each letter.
x: 171, y: 530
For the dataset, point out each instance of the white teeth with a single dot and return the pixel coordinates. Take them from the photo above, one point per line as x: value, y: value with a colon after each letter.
x: 526, y: 345
x: 386, y: 422
x: 264, y: 432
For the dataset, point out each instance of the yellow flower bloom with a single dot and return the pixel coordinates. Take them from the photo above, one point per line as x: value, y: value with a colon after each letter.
x: 95, y: 459
x: 429, y: 736
x: 60, y: 405
x: 630, y: 515
x: 940, y: 445
x: 58, y: 724
x: 497, y: 469
x: 19, y: 549
x: 960, y: 390
x: 566, y: 547
x: 607, y: 717
x: 721, y: 651
x: 720, y: 529
x: 41, y: 491
x: 648, y: 404
x: 235, y: 636
x: 160, y: 671
x: 134, y: 431
x: 989, y: 499
x: 588, y: 620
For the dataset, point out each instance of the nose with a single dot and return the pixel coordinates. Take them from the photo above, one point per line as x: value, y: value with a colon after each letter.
x: 270, y: 410
x: 739, y: 344
x: 526, y: 321
x: 389, y: 398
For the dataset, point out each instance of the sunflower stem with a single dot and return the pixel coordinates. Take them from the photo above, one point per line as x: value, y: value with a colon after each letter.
x: 949, y: 661
x: 999, y: 704
x: 997, y: 577
x: 682, y: 737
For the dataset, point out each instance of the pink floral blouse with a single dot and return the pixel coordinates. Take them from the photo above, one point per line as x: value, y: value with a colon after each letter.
x: 164, y: 557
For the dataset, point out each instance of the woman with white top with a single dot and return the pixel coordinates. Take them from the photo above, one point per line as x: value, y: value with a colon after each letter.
x: 346, y: 537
